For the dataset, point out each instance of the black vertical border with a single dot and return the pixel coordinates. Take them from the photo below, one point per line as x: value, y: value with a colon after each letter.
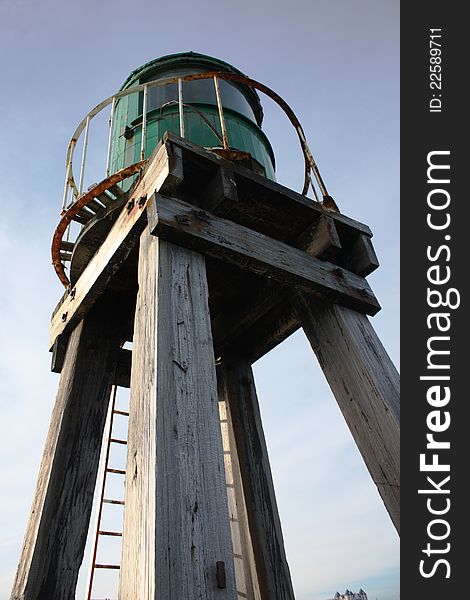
x: 423, y: 132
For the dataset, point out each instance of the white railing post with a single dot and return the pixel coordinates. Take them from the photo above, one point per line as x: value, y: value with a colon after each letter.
x: 180, y: 106
x: 83, y: 163
x: 221, y: 112
x: 110, y: 139
x: 144, y: 124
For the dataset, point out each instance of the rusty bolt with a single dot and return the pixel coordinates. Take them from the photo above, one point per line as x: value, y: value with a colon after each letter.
x: 201, y: 215
x: 130, y: 205
x: 64, y: 317
x: 142, y: 201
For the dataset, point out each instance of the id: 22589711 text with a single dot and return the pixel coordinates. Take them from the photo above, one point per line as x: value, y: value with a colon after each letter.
x: 435, y: 70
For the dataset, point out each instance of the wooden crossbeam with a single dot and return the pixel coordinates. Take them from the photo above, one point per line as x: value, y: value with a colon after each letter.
x: 284, y: 201
x: 199, y: 230
x: 163, y: 173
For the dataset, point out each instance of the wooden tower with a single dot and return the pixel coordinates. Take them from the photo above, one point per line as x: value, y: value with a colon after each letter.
x: 206, y: 264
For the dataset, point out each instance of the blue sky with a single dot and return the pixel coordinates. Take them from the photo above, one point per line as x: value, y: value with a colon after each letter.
x: 336, y: 63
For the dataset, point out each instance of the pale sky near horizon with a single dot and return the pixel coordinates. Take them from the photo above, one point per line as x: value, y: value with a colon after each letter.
x: 337, y: 64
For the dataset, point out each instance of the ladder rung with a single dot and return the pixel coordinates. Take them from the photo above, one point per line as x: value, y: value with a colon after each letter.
x: 117, y: 471
x: 107, y: 567
x: 121, y: 412
x: 67, y: 246
x: 112, y: 533
x: 108, y: 501
x: 105, y: 199
x: 116, y: 190
x: 95, y: 206
x: 80, y: 219
x: 67, y: 256
x: 116, y: 441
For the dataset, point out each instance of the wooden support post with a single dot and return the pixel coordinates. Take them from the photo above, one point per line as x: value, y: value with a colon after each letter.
x: 57, y: 530
x: 236, y: 385
x: 176, y: 541
x: 365, y: 383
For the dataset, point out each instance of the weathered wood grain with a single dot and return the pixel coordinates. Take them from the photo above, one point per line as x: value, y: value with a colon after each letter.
x: 254, y: 189
x: 163, y: 172
x: 321, y: 239
x: 220, y: 193
x: 236, y: 385
x: 363, y: 259
x: 176, y: 525
x: 184, y: 224
x: 263, y: 318
x: 122, y: 376
x: 365, y: 384
x: 57, y: 530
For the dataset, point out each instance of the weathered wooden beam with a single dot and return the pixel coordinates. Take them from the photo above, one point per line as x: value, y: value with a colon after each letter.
x: 254, y: 189
x: 321, y: 239
x: 363, y: 259
x: 57, y: 530
x: 233, y: 327
x: 365, y: 384
x: 236, y: 387
x: 122, y: 376
x: 194, y: 228
x: 220, y: 193
x: 176, y: 527
x: 58, y: 352
x: 264, y: 317
x: 162, y: 173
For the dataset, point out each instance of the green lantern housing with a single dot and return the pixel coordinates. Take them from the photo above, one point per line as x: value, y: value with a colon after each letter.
x: 196, y: 102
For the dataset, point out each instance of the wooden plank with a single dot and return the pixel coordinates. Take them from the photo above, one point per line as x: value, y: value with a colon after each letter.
x: 321, y: 239
x: 176, y: 525
x: 188, y: 226
x: 265, y: 190
x: 363, y: 259
x: 272, y: 329
x: 365, y: 384
x: 58, y: 353
x: 220, y: 193
x: 122, y: 377
x: 236, y: 385
x: 231, y: 326
x: 57, y: 530
x: 114, y: 250
x: 264, y: 317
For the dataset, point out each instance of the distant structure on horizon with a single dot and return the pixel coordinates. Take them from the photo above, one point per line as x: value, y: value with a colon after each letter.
x: 348, y: 595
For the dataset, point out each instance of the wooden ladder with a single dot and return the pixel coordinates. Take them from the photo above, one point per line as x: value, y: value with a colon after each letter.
x: 94, y: 564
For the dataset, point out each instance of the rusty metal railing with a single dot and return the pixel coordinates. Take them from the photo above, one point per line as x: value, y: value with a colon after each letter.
x: 83, y: 126
x: 75, y: 199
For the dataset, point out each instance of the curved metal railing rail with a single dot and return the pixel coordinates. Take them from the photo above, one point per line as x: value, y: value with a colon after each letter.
x: 79, y: 200
x: 310, y: 164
